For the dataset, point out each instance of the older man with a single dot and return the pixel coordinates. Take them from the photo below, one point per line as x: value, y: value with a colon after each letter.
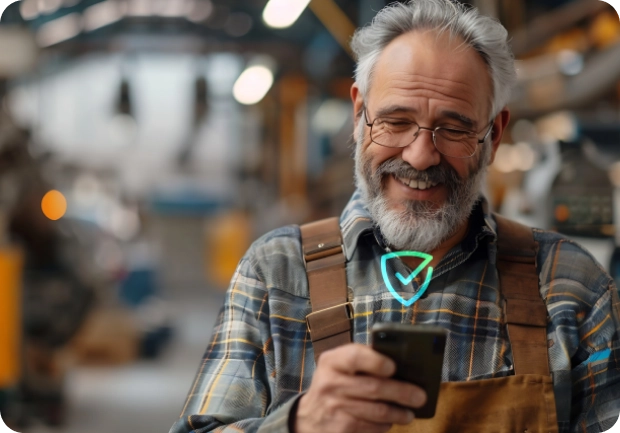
x: 432, y: 82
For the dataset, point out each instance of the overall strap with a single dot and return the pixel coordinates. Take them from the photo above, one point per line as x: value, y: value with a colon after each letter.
x: 526, y: 312
x: 329, y: 323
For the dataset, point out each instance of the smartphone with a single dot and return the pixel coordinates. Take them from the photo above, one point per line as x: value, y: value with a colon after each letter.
x: 418, y: 351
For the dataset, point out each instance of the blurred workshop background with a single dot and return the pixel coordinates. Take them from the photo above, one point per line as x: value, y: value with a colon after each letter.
x: 145, y: 143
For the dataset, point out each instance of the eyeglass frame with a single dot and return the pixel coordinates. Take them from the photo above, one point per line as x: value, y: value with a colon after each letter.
x: 432, y: 130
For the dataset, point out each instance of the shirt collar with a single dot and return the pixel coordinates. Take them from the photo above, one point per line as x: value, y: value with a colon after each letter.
x: 355, y: 221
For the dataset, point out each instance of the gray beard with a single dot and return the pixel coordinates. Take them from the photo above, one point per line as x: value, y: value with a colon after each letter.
x: 419, y: 227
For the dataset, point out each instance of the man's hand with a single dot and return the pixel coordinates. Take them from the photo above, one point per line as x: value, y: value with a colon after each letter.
x: 351, y: 391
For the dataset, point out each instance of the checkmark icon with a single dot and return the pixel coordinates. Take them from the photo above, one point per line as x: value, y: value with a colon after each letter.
x: 426, y: 259
x: 404, y: 281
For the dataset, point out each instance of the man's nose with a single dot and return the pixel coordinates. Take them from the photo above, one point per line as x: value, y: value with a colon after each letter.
x: 422, y: 153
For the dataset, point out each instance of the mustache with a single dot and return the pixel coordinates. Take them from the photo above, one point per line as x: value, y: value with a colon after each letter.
x: 442, y: 173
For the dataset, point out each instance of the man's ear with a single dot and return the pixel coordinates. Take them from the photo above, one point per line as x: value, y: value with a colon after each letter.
x: 358, y: 104
x: 499, y: 125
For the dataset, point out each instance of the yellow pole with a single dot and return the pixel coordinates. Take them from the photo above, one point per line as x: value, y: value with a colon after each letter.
x: 293, y: 137
x: 335, y: 20
x: 11, y: 262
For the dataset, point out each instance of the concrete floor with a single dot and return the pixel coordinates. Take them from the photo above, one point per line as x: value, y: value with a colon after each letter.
x: 146, y: 396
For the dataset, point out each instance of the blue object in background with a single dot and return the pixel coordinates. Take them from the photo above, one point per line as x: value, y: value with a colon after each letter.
x: 139, y: 291
x: 138, y: 285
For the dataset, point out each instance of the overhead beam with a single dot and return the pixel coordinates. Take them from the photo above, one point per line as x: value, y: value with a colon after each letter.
x: 557, y: 92
x: 547, y: 25
x: 336, y: 22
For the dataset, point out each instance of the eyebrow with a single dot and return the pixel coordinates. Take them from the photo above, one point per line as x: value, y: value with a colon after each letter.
x: 468, y: 122
x: 461, y: 118
x: 392, y: 109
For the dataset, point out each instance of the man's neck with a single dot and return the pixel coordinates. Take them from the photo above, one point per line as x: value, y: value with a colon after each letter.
x: 439, y: 252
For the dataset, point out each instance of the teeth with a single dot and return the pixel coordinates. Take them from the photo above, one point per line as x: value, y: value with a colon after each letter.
x: 417, y: 184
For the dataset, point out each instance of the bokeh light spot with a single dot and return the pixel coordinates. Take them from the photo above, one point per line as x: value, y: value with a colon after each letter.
x: 562, y: 213
x: 54, y: 205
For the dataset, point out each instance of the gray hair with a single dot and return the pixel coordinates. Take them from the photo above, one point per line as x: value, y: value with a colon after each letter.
x: 484, y: 34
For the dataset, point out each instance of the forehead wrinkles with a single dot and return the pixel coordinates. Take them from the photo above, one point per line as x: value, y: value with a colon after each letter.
x: 447, y: 87
x: 434, y: 63
x: 409, y: 85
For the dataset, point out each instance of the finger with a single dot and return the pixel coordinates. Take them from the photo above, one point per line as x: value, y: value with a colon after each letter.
x: 381, y: 389
x: 357, y: 358
x: 377, y: 412
x: 334, y: 416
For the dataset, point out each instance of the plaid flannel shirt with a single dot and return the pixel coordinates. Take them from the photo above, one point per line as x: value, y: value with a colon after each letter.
x: 260, y: 358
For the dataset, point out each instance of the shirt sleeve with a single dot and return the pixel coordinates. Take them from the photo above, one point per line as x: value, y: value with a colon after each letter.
x: 232, y: 390
x: 596, y: 367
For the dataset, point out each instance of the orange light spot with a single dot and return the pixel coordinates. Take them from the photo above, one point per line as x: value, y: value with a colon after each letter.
x: 54, y: 205
x: 562, y: 213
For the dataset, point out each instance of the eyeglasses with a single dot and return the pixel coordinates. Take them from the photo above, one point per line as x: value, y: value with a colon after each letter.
x: 453, y: 142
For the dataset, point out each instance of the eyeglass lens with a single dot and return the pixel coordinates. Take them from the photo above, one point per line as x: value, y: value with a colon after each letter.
x: 448, y: 141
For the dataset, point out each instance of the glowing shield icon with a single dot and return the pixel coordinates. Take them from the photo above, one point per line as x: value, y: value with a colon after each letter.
x: 406, y: 280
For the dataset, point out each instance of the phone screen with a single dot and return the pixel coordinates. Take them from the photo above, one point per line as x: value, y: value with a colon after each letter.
x: 418, y: 351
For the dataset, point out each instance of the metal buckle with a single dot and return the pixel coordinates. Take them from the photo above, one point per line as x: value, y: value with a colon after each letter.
x: 348, y: 305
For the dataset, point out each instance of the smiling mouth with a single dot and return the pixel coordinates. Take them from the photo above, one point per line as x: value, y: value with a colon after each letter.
x: 416, y: 184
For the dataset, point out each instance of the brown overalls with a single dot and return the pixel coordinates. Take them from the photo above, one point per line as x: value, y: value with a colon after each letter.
x: 523, y: 403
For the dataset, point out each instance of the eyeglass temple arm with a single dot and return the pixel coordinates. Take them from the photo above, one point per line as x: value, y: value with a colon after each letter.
x: 480, y: 141
x: 366, y: 116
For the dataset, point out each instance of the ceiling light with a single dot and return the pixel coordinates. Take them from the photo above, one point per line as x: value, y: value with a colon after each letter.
x: 101, y: 14
x: 176, y: 8
x: 141, y: 8
x: 200, y: 11
x: 253, y: 84
x: 283, y: 13
x: 49, y: 6
x: 28, y: 9
x: 59, y: 30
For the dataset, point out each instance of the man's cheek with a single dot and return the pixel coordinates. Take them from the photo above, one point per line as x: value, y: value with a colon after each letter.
x: 465, y: 170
